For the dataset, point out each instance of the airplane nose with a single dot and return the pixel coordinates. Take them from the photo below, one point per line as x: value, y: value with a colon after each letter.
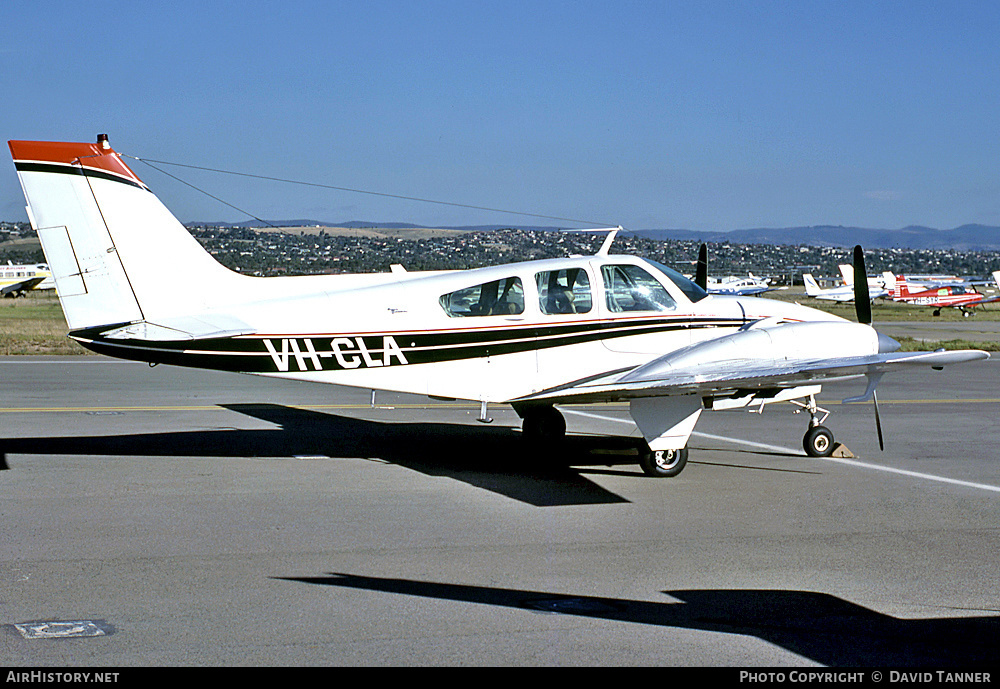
x: 887, y: 345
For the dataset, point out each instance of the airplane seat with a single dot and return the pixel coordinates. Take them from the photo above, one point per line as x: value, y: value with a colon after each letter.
x: 561, y: 301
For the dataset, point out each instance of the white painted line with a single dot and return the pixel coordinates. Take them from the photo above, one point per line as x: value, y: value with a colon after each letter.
x: 849, y: 462
x: 747, y: 443
x: 915, y: 474
x: 750, y: 443
x: 597, y: 416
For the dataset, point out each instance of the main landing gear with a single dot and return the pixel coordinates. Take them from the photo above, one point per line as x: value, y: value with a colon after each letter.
x: 544, y: 426
x: 662, y: 463
x: 818, y: 440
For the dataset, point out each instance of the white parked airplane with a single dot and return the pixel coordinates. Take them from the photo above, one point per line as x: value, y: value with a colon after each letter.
x: 836, y: 293
x: 749, y: 286
x: 533, y: 335
x: 875, y: 282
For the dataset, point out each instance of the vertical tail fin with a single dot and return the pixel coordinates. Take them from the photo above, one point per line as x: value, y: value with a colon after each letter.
x: 111, y: 244
x: 902, y: 287
x: 889, y: 283
x: 812, y: 288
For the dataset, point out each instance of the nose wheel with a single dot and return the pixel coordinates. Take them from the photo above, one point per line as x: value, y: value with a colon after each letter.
x: 818, y: 441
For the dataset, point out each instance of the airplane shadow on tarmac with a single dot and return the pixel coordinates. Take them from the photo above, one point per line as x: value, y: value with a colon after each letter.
x: 492, y: 458
x: 818, y: 626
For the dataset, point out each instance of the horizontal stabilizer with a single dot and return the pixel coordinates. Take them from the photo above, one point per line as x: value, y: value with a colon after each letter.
x: 173, y: 329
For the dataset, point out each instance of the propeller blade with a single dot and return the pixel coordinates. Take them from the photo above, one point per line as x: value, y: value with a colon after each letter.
x: 878, y: 422
x: 862, y: 302
x: 701, y: 275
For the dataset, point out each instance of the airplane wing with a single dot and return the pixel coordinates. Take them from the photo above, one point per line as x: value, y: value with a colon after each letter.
x: 726, y: 379
x: 23, y: 286
x: 709, y: 369
x: 986, y: 300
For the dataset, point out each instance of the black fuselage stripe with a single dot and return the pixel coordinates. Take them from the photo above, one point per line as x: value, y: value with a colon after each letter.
x: 249, y: 354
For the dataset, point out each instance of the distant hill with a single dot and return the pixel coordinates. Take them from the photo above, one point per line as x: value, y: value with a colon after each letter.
x: 368, y: 224
x: 964, y: 238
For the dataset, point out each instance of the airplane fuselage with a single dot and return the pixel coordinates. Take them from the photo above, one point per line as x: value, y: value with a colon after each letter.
x: 458, y: 334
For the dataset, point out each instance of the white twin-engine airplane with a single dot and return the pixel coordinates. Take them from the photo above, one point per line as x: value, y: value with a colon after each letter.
x: 533, y: 335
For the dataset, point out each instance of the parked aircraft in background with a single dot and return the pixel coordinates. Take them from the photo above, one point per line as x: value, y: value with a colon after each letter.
x: 533, y: 335
x: 842, y: 294
x: 16, y: 280
x: 960, y: 296
x: 747, y: 287
x: 875, y: 282
x: 934, y: 280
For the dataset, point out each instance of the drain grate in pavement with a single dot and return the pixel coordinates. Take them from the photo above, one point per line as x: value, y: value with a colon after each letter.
x: 62, y: 629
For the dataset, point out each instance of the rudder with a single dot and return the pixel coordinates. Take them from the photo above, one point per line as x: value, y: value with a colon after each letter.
x: 812, y: 287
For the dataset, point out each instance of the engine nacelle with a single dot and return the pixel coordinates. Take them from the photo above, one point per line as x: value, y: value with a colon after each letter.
x: 770, y: 346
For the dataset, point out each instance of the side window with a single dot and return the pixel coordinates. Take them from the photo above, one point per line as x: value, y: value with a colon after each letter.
x: 564, y: 291
x: 630, y: 288
x: 497, y: 298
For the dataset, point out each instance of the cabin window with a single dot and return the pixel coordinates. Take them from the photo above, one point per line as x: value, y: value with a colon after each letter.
x: 498, y: 298
x: 691, y: 290
x: 630, y: 288
x: 564, y: 291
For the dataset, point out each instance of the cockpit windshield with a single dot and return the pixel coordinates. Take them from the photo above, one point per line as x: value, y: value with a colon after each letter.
x: 688, y: 287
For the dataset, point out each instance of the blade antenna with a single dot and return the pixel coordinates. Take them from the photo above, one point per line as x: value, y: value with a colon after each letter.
x: 606, y: 246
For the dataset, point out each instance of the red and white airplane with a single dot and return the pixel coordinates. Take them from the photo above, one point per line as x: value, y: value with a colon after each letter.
x: 960, y: 296
x: 533, y: 335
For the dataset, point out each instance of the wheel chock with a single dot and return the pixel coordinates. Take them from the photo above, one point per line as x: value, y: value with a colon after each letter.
x: 841, y: 450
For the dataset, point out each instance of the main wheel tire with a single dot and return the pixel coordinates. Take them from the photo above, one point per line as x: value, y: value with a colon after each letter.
x: 818, y: 442
x: 545, y: 424
x: 663, y: 463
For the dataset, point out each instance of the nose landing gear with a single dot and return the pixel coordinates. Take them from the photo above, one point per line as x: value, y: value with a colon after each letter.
x: 818, y: 440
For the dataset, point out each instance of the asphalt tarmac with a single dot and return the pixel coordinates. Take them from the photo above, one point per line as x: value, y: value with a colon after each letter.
x: 972, y: 329
x: 172, y: 517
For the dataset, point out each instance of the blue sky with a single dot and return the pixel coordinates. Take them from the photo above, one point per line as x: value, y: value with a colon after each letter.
x: 699, y: 115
